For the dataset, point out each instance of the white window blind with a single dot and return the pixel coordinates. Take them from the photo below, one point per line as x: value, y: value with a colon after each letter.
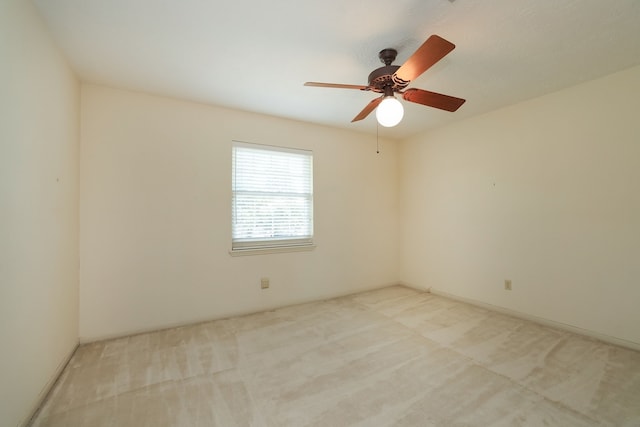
x: 272, y: 204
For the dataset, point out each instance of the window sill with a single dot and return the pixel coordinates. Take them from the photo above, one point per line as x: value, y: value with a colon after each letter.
x: 272, y: 250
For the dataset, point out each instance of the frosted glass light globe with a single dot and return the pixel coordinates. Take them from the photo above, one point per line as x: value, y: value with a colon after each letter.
x: 389, y: 112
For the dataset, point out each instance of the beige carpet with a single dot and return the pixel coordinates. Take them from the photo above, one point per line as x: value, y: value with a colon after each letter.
x: 392, y: 357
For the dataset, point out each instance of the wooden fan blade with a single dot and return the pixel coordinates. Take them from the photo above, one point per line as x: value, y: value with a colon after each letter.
x: 368, y: 109
x: 431, y: 51
x: 335, y: 85
x: 433, y: 99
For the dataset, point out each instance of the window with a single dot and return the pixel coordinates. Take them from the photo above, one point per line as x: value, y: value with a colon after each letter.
x: 272, y: 204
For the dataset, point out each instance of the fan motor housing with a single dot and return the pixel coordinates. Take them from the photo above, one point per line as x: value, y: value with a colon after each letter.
x: 383, y: 77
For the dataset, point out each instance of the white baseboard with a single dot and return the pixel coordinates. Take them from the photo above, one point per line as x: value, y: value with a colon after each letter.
x: 414, y: 287
x: 233, y: 313
x: 44, y: 393
x: 540, y: 320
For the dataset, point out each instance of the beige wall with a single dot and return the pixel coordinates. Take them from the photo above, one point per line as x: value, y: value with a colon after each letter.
x: 39, y: 127
x: 545, y: 193
x: 156, y: 215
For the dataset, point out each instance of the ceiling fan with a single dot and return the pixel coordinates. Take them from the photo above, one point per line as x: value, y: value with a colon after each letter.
x: 392, y: 79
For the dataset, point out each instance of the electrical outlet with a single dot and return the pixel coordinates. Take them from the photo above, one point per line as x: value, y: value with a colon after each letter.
x: 264, y: 283
x: 507, y: 285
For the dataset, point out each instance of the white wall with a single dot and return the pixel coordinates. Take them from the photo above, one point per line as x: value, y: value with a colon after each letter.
x: 39, y: 128
x: 156, y: 215
x: 545, y: 193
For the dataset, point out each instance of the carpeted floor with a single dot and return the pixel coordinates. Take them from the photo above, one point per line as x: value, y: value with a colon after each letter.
x: 391, y: 357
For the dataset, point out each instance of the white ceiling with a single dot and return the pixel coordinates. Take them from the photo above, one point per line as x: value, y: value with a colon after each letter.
x: 255, y: 55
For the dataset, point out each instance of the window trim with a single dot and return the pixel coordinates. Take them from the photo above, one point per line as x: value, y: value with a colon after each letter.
x: 272, y: 250
x: 275, y: 245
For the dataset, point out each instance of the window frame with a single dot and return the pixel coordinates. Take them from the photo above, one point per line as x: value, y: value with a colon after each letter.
x: 254, y: 246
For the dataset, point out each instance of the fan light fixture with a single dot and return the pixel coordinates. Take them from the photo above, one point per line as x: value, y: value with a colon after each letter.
x: 390, y: 111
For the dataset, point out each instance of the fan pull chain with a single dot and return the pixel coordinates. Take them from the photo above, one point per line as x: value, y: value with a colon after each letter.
x: 377, y: 138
